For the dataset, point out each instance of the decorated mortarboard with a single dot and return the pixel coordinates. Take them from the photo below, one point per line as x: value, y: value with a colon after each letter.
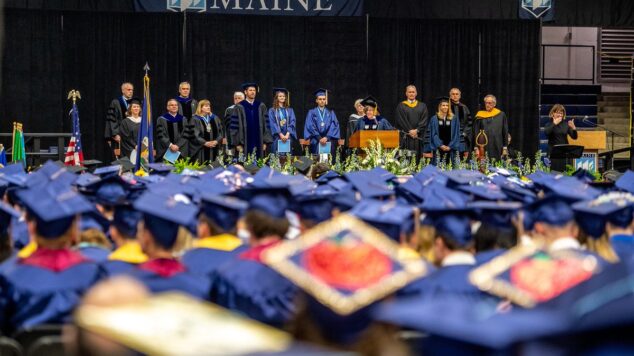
x: 321, y: 92
x: 463, y: 176
x: 368, y: 185
x: 6, y: 215
x: 126, y: 220
x: 345, y: 266
x: 392, y: 218
x: 108, y: 171
x: 53, y: 207
x: 163, y: 215
x: 248, y: 85
x: 626, y: 182
x: 171, y: 324
x: 528, y: 275
x: 497, y: 213
x: 370, y: 101
x: 224, y: 211
x: 125, y: 163
x: 593, y: 215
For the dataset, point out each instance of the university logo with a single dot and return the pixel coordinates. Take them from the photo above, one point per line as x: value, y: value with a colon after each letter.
x: 537, y: 8
x: 187, y: 5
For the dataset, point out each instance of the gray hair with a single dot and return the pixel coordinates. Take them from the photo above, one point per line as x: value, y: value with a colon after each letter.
x: 492, y: 97
x: 238, y: 93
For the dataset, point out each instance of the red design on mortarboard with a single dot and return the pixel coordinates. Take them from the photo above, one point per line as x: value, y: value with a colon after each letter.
x: 545, y: 278
x: 54, y: 260
x: 347, y: 264
x: 255, y: 253
x: 164, y: 267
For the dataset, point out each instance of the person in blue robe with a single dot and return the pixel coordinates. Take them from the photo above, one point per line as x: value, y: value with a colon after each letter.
x: 372, y: 119
x: 217, y: 242
x: 170, y: 131
x: 246, y: 284
x: 7, y: 252
x: 162, y: 216
x: 282, y: 119
x: 128, y: 253
x: 444, y: 134
x: 45, y: 287
x: 249, y: 129
x: 186, y: 104
x: 321, y: 126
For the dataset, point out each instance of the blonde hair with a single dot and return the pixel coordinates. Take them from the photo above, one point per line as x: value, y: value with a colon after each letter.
x: 449, y: 112
x: 199, y: 108
x: 603, y: 248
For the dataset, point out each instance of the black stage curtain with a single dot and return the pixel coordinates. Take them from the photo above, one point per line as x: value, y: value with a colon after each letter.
x: 48, y: 53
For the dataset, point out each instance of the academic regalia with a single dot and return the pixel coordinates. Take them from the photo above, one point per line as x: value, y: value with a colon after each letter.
x: 124, y: 259
x: 186, y: 106
x: 321, y: 123
x: 623, y: 246
x: 461, y: 111
x: 249, y: 125
x: 378, y: 123
x: 495, y: 125
x: 444, y: 132
x: 250, y: 287
x: 282, y: 121
x: 212, y: 252
x: 206, y: 129
x: 168, y: 274
x: 93, y: 252
x: 412, y: 116
x: 169, y: 130
x: 114, y: 116
x: 129, y: 132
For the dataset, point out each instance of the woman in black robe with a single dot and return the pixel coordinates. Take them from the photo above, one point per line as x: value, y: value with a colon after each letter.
x: 129, y: 128
x: 208, y: 134
x: 557, y: 131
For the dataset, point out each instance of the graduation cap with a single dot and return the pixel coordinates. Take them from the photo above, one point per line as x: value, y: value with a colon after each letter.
x: 626, y: 182
x: 125, y: 163
x: 303, y: 164
x: 454, y: 226
x: 248, y: 85
x: 91, y: 163
x: 368, y: 185
x: 85, y: 180
x: 370, y: 101
x: 485, y: 191
x: 496, y: 213
x: 321, y: 92
x: 160, y: 168
x: 135, y: 100
x: 104, y: 172
x: 572, y: 189
x: 312, y: 207
x: 271, y: 201
x: 440, y: 198
x: 615, y: 208
x: 53, y: 207
x: 163, y: 215
x: 224, y: 211
x: 326, y: 177
x: 344, y: 268
x: 392, y: 218
x: 552, y: 210
x: 462, y: 176
x: 126, y: 220
x: 344, y: 200
x: 286, y: 92
x: 111, y: 190
x: 94, y: 220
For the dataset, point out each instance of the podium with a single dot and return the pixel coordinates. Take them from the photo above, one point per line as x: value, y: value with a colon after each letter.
x: 592, y: 141
x: 361, y: 138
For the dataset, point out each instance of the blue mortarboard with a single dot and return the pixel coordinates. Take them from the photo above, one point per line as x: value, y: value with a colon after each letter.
x: 485, y: 191
x: 498, y: 214
x: 412, y: 191
x: 273, y: 202
x: 326, y: 177
x: 552, y: 210
x: 164, y: 214
x: 111, y: 190
x: 222, y: 210
x: 321, y: 92
x: 52, y: 171
x: 572, y: 189
x: 53, y: 207
x: 160, y: 168
x: 463, y: 176
x: 126, y: 220
x: 344, y: 200
x: 626, y: 182
x: 514, y: 190
x: 438, y: 197
x: 248, y: 85
x: 381, y: 174
x: 368, y: 185
x: 94, y: 220
x: 344, y: 267
x: 615, y: 208
x: 6, y: 213
x: 3, y: 187
x: 280, y: 90
x: 11, y: 169
x: 340, y: 184
x: 15, y: 179
x: 317, y: 208
x: 107, y: 171
x: 86, y: 179
x: 454, y: 226
x: 391, y: 218
x: 431, y: 172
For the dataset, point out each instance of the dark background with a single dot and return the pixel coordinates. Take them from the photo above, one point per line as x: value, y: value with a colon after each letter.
x: 47, y: 53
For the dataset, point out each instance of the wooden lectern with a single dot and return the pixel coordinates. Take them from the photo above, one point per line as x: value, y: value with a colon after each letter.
x: 361, y: 138
x: 592, y: 141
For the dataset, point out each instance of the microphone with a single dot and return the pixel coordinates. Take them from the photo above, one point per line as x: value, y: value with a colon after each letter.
x: 585, y: 119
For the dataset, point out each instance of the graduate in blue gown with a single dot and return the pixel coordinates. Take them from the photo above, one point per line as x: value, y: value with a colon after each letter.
x: 372, y: 119
x: 45, y: 287
x: 127, y: 254
x: 217, y: 242
x: 7, y: 253
x: 321, y: 126
x: 282, y: 119
x: 249, y: 129
x: 246, y: 284
x: 163, y: 216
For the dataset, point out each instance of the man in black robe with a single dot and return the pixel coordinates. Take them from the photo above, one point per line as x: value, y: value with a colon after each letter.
x: 186, y: 104
x: 461, y: 111
x: 238, y: 96
x: 412, y: 121
x: 170, y: 131
x: 249, y: 128
x: 491, y: 130
x: 114, y: 116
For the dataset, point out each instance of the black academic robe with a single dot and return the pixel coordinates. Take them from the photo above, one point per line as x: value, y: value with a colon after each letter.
x: 351, y: 127
x: 204, y: 132
x: 495, y: 125
x: 129, y: 132
x: 558, y: 135
x: 242, y: 129
x: 170, y: 129
x: 412, y: 117
x: 461, y: 111
x: 114, y: 116
x: 187, y: 106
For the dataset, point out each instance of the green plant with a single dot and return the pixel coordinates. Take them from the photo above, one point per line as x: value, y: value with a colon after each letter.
x: 185, y: 163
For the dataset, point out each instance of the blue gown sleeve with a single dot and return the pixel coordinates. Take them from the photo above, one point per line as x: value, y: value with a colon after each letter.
x: 310, y: 131
x: 455, y: 135
x: 333, y: 131
x: 434, y: 139
x: 292, y: 122
x: 275, y: 128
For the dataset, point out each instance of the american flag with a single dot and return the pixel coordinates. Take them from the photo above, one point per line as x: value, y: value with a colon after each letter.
x: 74, y: 154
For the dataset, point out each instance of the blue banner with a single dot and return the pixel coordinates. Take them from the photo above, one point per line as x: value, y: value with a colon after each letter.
x: 255, y: 7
